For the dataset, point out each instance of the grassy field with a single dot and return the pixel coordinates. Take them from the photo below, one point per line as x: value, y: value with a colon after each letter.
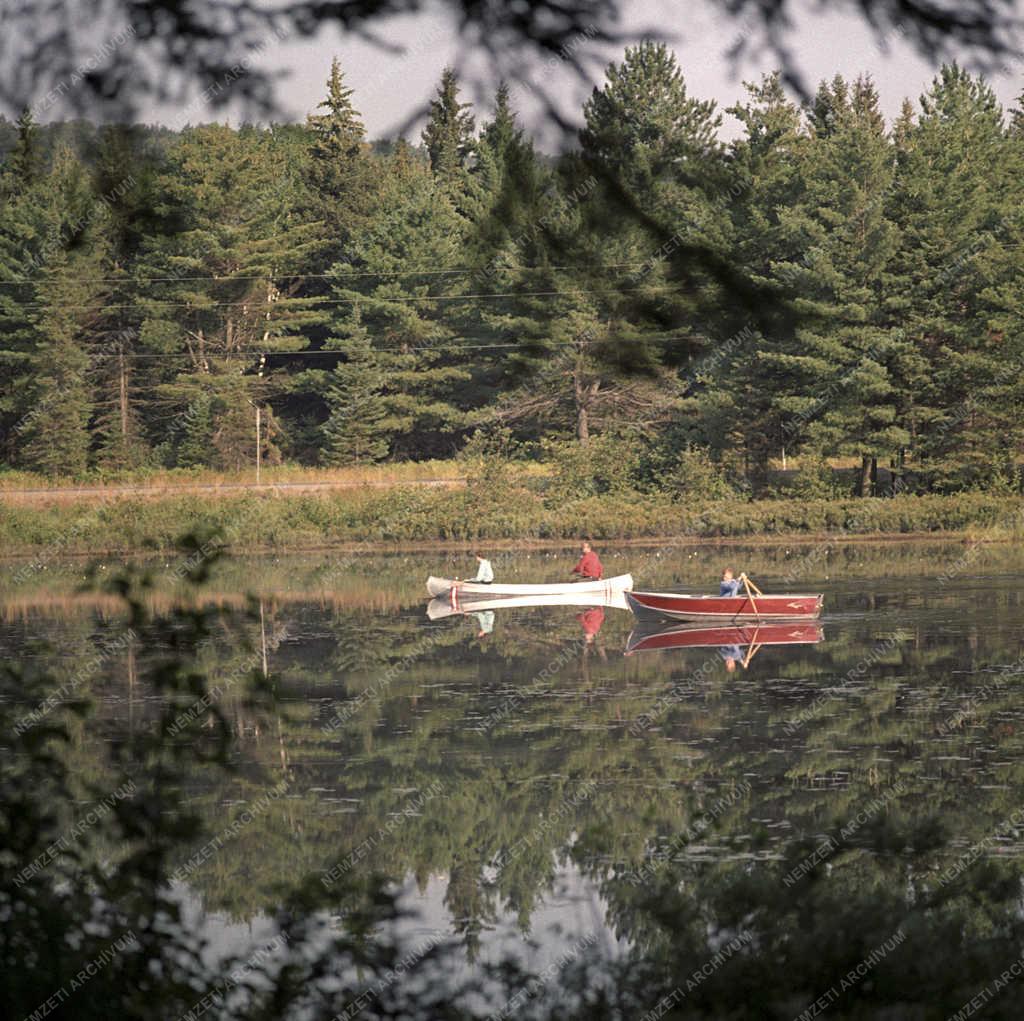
x: 14, y: 482
x: 406, y: 516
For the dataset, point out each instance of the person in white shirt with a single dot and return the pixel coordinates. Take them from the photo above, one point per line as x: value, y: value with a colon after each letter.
x: 484, y: 571
x: 485, y: 619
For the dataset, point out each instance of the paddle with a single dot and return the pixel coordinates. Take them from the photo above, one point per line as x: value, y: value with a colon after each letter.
x: 748, y: 584
x: 752, y: 648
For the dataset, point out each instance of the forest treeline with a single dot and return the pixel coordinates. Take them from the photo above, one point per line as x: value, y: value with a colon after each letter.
x: 686, y: 311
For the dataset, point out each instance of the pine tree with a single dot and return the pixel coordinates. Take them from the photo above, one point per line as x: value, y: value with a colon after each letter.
x: 508, y: 244
x: 226, y: 287
x: 730, y: 403
x: 57, y: 432
x: 125, y: 176
x: 819, y: 373
x: 413, y: 227
x: 995, y: 409
x: 234, y: 428
x: 508, y: 174
x: 1017, y: 118
x: 653, y: 151
x: 830, y: 103
x: 196, y: 433
x: 850, y: 402
x: 448, y: 134
x: 902, y: 130
x: 25, y: 161
x: 352, y: 432
x: 338, y: 134
x: 501, y: 134
x: 955, y: 207
x: 643, y: 129
x: 658, y: 207
x: 340, y: 171
x: 27, y: 234
x: 69, y: 296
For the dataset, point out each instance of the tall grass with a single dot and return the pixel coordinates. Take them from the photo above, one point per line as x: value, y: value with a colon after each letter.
x: 405, y: 514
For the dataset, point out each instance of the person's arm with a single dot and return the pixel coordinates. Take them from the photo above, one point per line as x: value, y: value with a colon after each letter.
x: 578, y: 569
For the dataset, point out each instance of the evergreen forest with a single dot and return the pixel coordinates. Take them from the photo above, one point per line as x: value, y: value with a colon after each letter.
x: 824, y: 289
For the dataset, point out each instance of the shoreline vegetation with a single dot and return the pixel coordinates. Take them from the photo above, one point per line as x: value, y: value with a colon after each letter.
x: 520, y: 510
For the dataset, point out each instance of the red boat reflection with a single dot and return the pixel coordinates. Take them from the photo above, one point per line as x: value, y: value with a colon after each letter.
x: 753, y: 636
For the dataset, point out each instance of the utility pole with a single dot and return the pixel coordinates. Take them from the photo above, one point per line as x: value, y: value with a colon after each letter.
x: 271, y: 297
x: 259, y: 457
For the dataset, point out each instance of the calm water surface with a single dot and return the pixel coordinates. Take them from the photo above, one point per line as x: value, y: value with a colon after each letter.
x: 507, y: 773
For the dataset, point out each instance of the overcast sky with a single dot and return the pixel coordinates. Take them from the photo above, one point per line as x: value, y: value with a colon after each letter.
x: 388, y: 88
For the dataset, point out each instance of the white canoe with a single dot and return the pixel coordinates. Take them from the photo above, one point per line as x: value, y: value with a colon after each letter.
x: 442, y: 586
x: 447, y: 605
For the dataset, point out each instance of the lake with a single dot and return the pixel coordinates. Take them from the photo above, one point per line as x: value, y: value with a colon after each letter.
x: 520, y: 776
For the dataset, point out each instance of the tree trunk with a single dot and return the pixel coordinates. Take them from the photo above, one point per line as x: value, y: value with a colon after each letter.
x: 582, y: 395
x: 582, y: 423
x: 864, y: 489
x: 123, y: 401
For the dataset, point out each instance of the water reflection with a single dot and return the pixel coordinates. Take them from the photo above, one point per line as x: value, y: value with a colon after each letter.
x: 562, y: 757
x: 734, y: 642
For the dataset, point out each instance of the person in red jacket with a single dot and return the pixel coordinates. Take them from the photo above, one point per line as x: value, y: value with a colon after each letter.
x: 591, y: 620
x: 589, y: 567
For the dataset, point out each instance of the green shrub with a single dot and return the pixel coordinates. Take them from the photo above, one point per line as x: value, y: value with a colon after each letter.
x: 604, y: 464
x: 814, y: 480
x: 693, y: 474
x: 494, y: 443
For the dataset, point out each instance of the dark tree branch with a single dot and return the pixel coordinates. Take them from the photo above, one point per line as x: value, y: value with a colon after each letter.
x: 179, y: 50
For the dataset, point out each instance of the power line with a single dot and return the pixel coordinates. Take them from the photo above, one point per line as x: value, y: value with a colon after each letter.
x: 450, y: 344
x: 262, y: 305
x: 229, y: 277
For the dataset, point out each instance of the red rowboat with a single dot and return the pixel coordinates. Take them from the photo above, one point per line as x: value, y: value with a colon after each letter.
x: 722, y: 609
x: 689, y: 637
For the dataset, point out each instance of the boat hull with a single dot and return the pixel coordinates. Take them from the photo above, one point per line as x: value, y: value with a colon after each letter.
x: 455, y: 602
x: 605, y: 587
x: 690, y: 636
x: 722, y: 609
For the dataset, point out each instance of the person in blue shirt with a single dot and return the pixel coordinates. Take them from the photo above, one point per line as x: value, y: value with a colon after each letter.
x: 732, y: 655
x: 730, y: 585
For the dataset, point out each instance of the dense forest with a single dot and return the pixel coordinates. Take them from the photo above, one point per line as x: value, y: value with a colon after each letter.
x: 826, y: 286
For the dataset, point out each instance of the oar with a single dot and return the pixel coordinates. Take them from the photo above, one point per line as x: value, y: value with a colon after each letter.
x: 750, y: 595
x: 750, y: 584
x: 752, y: 648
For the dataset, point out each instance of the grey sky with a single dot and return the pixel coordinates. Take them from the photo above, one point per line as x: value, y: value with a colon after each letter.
x: 388, y: 88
